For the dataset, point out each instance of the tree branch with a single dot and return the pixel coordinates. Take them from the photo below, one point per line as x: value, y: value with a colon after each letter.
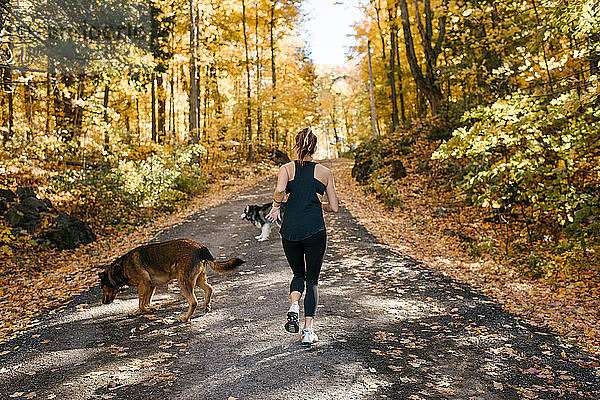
x: 420, y: 25
x: 428, y: 19
x: 409, y: 45
x: 441, y: 33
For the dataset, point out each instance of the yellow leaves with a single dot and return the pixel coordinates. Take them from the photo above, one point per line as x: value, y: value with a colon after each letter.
x: 6, y: 235
x: 24, y: 296
x: 570, y: 309
x: 371, y: 384
x: 5, y: 251
x: 6, y: 239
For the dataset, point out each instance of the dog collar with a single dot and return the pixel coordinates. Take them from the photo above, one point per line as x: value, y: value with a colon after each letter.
x: 115, y: 284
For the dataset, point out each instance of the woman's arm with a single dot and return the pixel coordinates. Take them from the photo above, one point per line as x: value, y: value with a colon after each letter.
x: 282, y: 181
x: 279, y: 194
x: 332, y: 201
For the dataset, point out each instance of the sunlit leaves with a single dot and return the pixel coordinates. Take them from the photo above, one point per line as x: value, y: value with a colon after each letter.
x: 533, y: 157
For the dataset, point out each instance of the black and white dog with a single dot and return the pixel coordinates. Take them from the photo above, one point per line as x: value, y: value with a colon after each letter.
x: 256, y: 215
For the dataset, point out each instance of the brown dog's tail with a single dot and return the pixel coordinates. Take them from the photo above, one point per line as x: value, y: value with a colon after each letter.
x: 203, y: 254
x: 225, y: 266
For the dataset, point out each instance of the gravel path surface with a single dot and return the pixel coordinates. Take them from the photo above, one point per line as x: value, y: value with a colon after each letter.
x: 389, y: 328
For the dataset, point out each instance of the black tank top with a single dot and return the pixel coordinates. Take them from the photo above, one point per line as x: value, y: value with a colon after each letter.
x: 303, y: 215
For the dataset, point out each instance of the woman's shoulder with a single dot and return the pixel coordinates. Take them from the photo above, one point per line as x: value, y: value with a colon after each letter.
x: 320, y: 168
x: 287, y: 166
x: 322, y: 173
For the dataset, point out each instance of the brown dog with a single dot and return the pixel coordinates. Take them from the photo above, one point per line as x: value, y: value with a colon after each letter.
x: 158, y: 263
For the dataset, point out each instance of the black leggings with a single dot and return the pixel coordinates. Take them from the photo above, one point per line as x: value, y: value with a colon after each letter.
x: 312, y: 249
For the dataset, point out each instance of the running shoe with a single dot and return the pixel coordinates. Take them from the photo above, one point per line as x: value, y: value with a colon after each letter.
x: 309, y: 337
x: 292, y: 322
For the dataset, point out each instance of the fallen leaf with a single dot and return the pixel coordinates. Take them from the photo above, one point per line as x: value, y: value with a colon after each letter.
x: 371, y: 384
x: 531, y: 371
x: 95, y: 373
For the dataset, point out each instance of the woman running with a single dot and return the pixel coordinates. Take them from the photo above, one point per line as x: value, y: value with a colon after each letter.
x: 303, y: 228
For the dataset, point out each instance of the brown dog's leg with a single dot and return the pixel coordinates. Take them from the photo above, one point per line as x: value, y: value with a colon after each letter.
x: 143, y: 290
x: 188, y: 292
x: 203, y: 284
x: 149, y: 297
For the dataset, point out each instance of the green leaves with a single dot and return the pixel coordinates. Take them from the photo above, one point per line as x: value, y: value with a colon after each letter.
x: 129, y: 182
x: 533, y: 161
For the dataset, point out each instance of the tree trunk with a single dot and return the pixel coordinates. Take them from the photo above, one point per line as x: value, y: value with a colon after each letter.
x: 28, y: 97
x: 198, y: 73
x: 347, y: 124
x: 10, y: 111
x: 193, y: 95
x: 161, y: 103
x: 381, y: 36
x: 171, y: 116
x: 49, y: 78
x: 417, y: 100
x: 334, y: 126
x: 205, y: 105
x: 153, y: 107
x: 248, y: 90
x: 594, y: 56
x: 273, y: 80
x: 371, y: 93
x: 137, y: 119
x: 427, y: 83
x: 6, y: 76
x: 400, y: 74
x: 392, y: 67
x: 105, y: 104
x: 68, y: 116
x: 172, y: 107
x: 128, y: 124
x: 60, y: 108
x: 78, y: 121
x: 216, y: 94
x: 537, y: 19
x: 258, y: 77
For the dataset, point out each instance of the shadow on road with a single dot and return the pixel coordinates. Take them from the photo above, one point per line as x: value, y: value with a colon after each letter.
x: 390, y: 328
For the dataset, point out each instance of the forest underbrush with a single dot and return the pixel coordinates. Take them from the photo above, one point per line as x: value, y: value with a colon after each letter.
x: 126, y: 197
x: 528, y: 236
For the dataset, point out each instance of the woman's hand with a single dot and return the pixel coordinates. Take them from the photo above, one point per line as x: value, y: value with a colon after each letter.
x: 326, y: 206
x: 274, y: 214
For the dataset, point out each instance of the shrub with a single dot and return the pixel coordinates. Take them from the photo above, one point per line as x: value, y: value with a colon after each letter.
x: 118, y: 190
x: 531, y: 160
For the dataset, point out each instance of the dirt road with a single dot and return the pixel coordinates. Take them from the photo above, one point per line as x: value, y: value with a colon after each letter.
x: 390, y: 328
